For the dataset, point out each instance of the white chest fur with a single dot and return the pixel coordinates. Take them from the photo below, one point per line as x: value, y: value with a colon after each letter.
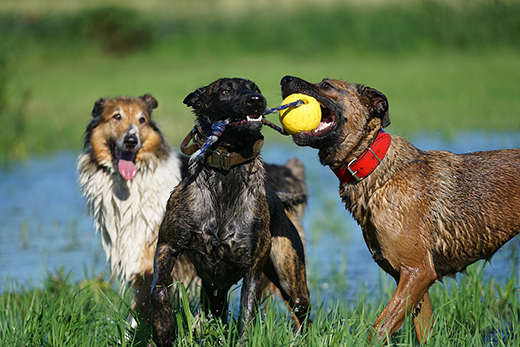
x: 128, y: 213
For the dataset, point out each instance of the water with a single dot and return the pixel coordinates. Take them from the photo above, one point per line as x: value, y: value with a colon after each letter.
x: 44, y: 226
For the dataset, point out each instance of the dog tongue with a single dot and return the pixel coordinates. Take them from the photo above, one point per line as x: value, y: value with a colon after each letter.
x: 126, y: 169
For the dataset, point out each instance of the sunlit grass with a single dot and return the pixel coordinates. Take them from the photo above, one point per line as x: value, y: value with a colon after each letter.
x: 470, y: 311
x: 437, y: 76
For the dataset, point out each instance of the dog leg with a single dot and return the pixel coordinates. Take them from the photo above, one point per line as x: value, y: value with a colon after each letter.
x: 141, y: 303
x: 423, y: 320
x: 215, y: 301
x: 250, y: 296
x: 286, y: 269
x: 412, y: 287
x: 296, y: 296
x: 163, y: 317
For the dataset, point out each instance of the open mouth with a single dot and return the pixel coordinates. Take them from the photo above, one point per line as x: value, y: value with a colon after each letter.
x: 329, y: 118
x: 327, y: 122
x: 125, y: 162
x: 249, y: 119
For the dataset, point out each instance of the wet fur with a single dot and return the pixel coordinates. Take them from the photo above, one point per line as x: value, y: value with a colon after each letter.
x: 424, y: 214
x: 128, y: 213
x: 230, y: 224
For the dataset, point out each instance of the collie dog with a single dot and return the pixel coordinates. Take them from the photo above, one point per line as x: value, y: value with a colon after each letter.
x: 126, y: 172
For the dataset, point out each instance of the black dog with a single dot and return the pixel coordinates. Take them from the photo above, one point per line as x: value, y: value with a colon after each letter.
x: 225, y: 218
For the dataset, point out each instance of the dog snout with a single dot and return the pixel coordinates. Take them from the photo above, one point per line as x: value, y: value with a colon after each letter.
x: 256, y: 103
x: 290, y: 85
x: 131, y: 141
x: 287, y: 80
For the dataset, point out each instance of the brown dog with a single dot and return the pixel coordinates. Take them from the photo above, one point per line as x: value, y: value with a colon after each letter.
x: 424, y: 214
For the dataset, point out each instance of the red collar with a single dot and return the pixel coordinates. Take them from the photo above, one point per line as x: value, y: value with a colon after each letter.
x: 362, y: 166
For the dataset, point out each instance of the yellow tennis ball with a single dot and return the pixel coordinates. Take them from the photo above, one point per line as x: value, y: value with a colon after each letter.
x: 305, y: 117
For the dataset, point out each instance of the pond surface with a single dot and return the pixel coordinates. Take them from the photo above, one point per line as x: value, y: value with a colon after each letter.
x: 44, y: 226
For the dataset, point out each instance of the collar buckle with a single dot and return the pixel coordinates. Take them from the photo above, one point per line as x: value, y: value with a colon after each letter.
x: 218, y: 159
x: 352, y: 172
x: 362, y: 166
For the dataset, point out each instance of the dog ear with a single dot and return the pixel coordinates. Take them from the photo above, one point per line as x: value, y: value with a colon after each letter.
x: 99, y: 106
x: 150, y: 102
x: 97, y: 111
x: 193, y: 97
x: 379, y: 104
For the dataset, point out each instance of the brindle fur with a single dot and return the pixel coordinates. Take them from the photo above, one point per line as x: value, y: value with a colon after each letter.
x: 230, y: 224
x: 424, y: 214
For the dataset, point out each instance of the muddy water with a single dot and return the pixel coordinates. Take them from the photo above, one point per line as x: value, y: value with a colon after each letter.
x: 44, y: 226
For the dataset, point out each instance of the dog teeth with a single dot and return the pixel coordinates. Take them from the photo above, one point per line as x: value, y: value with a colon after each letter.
x: 249, y: 119
x: 323, y: 126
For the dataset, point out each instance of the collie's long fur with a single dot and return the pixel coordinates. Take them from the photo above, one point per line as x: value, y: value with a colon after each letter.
x: 126, y: 172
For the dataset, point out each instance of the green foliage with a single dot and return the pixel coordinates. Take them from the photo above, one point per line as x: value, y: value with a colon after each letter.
x: 444, y: 68
x: 62, y: 314
x: 12, y: 119
x: 422, y: 25
x: 119, y: 30
x: 309, y: 30
x: 116, y: 29
x: 469, y: 312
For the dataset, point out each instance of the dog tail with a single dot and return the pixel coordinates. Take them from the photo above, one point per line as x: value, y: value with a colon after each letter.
x: 298, y: 170
x: 288, y: 181
x: 292, y: 200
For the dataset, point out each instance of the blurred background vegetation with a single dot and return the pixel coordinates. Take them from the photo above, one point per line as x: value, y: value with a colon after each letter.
x: 444, y: 65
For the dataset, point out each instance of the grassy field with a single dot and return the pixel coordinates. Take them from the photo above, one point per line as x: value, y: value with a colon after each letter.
x: 443, y: 68
x: 469, y: 312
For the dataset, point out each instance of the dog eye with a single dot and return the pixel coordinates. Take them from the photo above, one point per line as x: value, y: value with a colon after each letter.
x: 224, y: 91
x: 142, y: 120
x: 326, y: 85
x: 117, y: 116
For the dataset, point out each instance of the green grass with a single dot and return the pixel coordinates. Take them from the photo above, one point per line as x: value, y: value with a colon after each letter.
x: 443, y: 68
x: 468, y: 312
x: 442, y: 92
x: 62, y: 314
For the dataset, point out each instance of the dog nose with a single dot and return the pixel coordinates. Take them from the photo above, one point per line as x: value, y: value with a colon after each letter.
x: 287, y: 79
x: 256, y: 102
x: 130, y: 141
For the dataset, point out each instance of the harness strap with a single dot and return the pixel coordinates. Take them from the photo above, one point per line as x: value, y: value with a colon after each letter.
x: 218, y: 158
